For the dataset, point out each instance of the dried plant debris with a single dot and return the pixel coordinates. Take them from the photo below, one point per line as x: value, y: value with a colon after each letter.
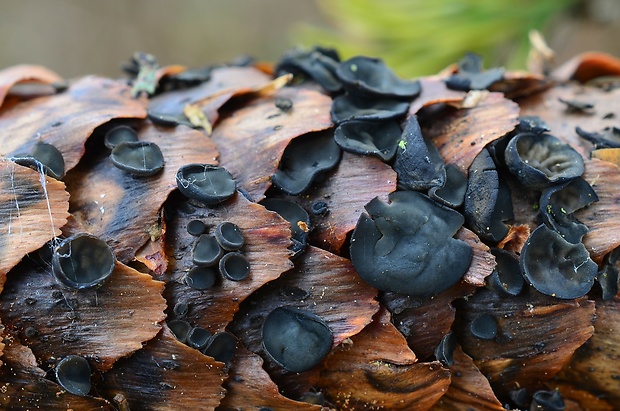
x: 11, y: 76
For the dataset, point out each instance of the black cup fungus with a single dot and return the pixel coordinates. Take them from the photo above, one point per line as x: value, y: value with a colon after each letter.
x: 221, y: 346
x: 229, y: 236
x: 506, y: 278
x: 44, y: 156
x: 471, y: 76
x: 201, y: 278
x: 234, y: 266
x: 207, y: 251
x: 532, y: 124
x: 297, y: 217
x: 198, y: 337
x: 140, y: 158
x: 444, y: 352
x: 350, y: 107
x: 375, y: 138
x: 73, y: 374
x: 83, y: 261
x: 119, y: 134
x: 296, y: 339
x: 196, y: 227
x: 484, y: 326
x: 452, y: 192
x: 319, y: 64
x: 609, y: 137
x: 180, y: 329
x: 206, y: 183
x: 180, y: 309
x: 547, y: 401
x: 167, y: 119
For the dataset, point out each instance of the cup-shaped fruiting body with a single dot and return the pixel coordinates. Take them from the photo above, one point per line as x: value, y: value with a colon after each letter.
x: 83, y: 261
x: 201, y: 278
x: 221, y: 346
x: 471, y: 76
x: 234, y: 266
x: 139, y: 158
x: 374, y: 138
x: 229, y: 236
x: 119, y: 134
x: 46, y: 157
x: 207, y: 251
x: 196, y: 227
x: 353, y: 107
x: 452, y: 192
x: 506, y: 278
x: 206, y: 183
x: 180, y: 329
x: 484, y: 326
x: 444, y: 352
x: 320, y: 64
x: 73, y: 374
x: 198, y: 337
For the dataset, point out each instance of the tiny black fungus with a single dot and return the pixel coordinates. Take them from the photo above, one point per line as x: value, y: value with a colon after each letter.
x: 547, y: 401
x: 44, y: 156
x: 196, y: 228
x: 470, y: 75
x: 168, y: 119
x: 532, y: 124
x: 206, y: 183
x: 407, y: 246
x: 185, y: 79
x: 520, y: 397
x: 234, y: 266
x: 73, y: 374
x: 444, y: 352
x: 198, y: 337
x: 296, y: 216
x: 180, y: 329
x: 201, y: 278
x: 488, y: 202
x: 319, y: 64
x: 221, y: 346
x: 319, y: 208
x: 418, y: 163
x: 229, y: 236
x: 608, y: 275
x: 556, y: 267
x: 284, y: 104
x: 119, y: 134
x: 558, y: 203
x: 576, y: 105
x: 452, y: 192
x: 506, y: 278
x: 31, y: 332
x: 83, y: 261
x: 484, y: 326
x: 372, y: 76
x: 375, y: 138
x: 296, y: 339
x: 609, y: 137
x: 140, y: 158
x: 304, y: 160
x: 207, y: 251
x: 180, y: 309
x: 352, y: 107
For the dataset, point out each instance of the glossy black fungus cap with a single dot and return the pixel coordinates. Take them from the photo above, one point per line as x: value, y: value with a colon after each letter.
x: 73, y: 374
x: 206, y: 183
x: 221, y: 346
x: 319, y: 208
x: 532, y: 124
x: 539, y: 160
x: 201, y: 278
x: 406, y: 246
x: 196, y: 227
x: 444, y: 352
x: 609, y: 137
x: 44, y: 156
x: 560, y: 201
x: 187, y: 78
x: 520, y: 397
x: 506, y: 278
x: 488, y: 202
x: 297, y: 217
x: 547, y: 401
x: 470, y: 75
x: 576, y: 105
x: 374, y: 138
x: 296, y: 339
x: 373, y: 76
x: 119, y: 134
x: 229, y: 236
x: 198, y: 337
x: 320, y: 64
x: 452, y: 192
x: 140, y: 158
x: 180, y: 329
x: 484, y: 326
x: 304, y: 160
x: 234, y: 266
x: 207, y: 251
x: 555, y: 267
x: 168, y: 119
x: 180, y: 309
x: 83, y: 261
x: 353, y: 107
x: 418, y: 163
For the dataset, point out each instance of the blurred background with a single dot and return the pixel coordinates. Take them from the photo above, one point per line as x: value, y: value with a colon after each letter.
x: 415, y: 37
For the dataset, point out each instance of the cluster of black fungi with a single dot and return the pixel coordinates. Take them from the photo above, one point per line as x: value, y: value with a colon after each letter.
x: 221, y: 345
x: 138, y: 158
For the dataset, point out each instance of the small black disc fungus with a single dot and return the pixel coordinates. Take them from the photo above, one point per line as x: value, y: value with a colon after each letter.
x: 234, y: 266
x: 296, y: 339
x: 539, y: 160
x: 140, y: 158
x: 375, y: 138
x: 406, y: 246
x: 297, y: 217
x: 506, y: 278
x: 221, y: 346
x: 73, y: 374
x: 444, y: 352
x: 470, y: 75
x: 320, y: 64
x: 207, y: 251
x: 119, y: 134
x: 484, y: 327
x: 198, y: 337
x: 556, y: 267
x: 350, y: 107
x: 608, y: 275
x: 180, y: 309
x: 201, y: 278
x: 206, y: 183
x: 180, y: 329
x: 196, y: 227
x: 83, y: 261
x: 167, y: 119
x: 229, y: 236
x: 45, y: 155
x: 452, y: 192
x: 547, y: 401
x: 609, y: 137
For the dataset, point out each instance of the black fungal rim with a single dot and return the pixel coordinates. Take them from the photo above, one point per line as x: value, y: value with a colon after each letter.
x: 208, y: 191
x: 125, y: 154
x: 201, y: 278
x: 229, y: 236
x: 180, y: 329
x: 73, y: 373
x: 119, y: 134
x: 234, y: 266
x: 209, y: 249
x: 221, y: 346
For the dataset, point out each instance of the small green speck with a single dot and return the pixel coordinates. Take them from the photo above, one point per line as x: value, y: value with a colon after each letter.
x: 354, y: 67
x: 402, y: 144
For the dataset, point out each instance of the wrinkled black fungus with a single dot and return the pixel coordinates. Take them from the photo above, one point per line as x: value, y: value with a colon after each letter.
x: 444, y: 352
x: 206, y: 183
x: 506, y: 278
x: 375, y: 138
x: 207, y: 251
x: 350, y: 107
x: 319, y: 208
x: 73, y: 374
x: 488, y: 201
x: 576, y: 105
x: 609, y: 137
x: 539, y: 160
x: 304, y: 160
x: 608, y: 275
x: 198, y: 337
x: 484, y: 327
x: 44, y: 156
x: 418, y: 163
x: 180, y: 329
x: 196, y: 227
x: 140, y: 158
x: 168, y: 119
x: 559, y: 202
x: 319, y: 64
x: 234, y: 266
x: 372, y: 76
x: 296, y: 339
x: 221, y: 346
x: 296, y: 216
x: 201, y: 278
x: 284, y: 104
x: 180, y: 309
x: 119, y: 134
x: 532, y: 124
x: 229, y: 236
x: 556, y: 267
x: 547, y: 401
x: 470, y: 75
x: 452, y: 192
x: 83, y: 261
x: 406, y: 246
x: 519, y: 397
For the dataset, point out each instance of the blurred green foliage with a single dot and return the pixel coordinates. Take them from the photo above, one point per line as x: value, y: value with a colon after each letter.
x: 420, y: 37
